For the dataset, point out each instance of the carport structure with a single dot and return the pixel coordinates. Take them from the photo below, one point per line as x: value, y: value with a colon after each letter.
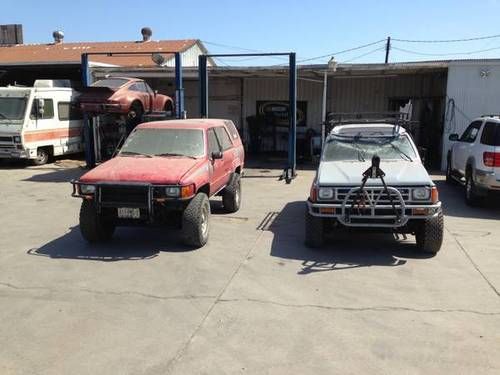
x: 235, y: 92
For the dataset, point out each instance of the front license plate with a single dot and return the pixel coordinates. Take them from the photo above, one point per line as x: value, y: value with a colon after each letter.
x: 129, y: 213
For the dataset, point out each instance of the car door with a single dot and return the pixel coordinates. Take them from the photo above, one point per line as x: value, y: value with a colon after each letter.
x: 227, y: 151
x: 216, y: 166
x: 465, y: 146
x: 155, y: 100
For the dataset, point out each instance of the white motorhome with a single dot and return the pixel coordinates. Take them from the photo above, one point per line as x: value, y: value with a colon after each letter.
x: 39, y: 122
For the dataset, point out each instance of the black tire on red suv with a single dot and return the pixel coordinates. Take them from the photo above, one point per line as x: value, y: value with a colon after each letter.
x: 429, y: 234
x: 231, y: 195
x: 195, y: 221
x: 94, y: 227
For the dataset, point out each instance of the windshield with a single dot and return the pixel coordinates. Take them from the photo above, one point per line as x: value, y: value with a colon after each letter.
x: 112, y: 83
x: 363, y: 148
x: 12, y: 108
x: 165, y: 142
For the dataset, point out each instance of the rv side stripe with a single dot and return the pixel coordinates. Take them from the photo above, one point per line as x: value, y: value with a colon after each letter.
x: 44, y: 135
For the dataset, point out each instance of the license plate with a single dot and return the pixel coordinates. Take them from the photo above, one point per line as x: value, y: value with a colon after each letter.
x: 129, y: 213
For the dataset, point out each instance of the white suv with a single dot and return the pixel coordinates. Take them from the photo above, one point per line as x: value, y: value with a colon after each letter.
x: 474, y: 158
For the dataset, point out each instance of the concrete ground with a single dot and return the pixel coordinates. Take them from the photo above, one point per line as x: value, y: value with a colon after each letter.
x: 253, y: 301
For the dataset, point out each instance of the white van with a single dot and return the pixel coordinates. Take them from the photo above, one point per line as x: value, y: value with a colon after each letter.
x: 39, y: 122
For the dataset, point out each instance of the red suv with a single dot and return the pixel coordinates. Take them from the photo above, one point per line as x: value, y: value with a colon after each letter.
x: 164, y: 174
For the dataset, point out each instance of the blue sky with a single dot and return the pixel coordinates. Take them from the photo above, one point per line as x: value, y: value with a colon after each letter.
x: 310, y: 28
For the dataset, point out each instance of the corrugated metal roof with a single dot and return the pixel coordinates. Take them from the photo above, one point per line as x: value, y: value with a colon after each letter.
x: 33, y: 54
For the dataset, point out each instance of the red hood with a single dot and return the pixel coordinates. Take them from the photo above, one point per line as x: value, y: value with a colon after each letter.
x: 156, y: 170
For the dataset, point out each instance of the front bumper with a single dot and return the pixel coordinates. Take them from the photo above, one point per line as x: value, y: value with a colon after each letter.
x: 12, y: 152
x: 109, y: 197
x: 373, y: 213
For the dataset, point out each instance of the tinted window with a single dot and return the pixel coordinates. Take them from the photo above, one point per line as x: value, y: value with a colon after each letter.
x: 112, y: 83
x: 213, y: 144
x: 223, y: 137
x: 470, y: 133
x: 134, y: 87
x: 67, y: 111
x: 232, y: 129
x: 491, y: 134
x: 48, y: 109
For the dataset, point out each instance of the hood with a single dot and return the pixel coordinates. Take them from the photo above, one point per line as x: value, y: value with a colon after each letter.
x: 155, y: 170
x: 397, y: 173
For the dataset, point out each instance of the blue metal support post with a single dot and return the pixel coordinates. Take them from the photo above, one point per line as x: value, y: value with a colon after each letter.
x: 179, y: 89
x: 88, y: 134
x: 292, y: 137
x: 203, y: 82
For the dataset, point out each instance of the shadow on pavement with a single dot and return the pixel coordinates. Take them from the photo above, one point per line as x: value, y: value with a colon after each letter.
x: 56, y: 174
x: 127, y: 244
x: 452, y: 197
x: 343, y: 249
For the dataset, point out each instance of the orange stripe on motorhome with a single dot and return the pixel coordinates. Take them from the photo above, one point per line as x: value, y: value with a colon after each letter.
x: 44, y: 135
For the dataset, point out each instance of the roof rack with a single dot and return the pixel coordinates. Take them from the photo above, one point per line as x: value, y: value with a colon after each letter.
x: 491, y: 115
x: 398, y: 119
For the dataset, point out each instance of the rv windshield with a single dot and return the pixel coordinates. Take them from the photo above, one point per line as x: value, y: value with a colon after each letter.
x: 12, y: 108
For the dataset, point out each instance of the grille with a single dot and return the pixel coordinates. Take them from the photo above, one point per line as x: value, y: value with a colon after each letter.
x: 136, y: 196
x: 374, y: 192
x: 5, y: 139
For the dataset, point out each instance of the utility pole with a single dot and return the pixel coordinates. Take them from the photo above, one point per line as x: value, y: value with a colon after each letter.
x: 387, y: 49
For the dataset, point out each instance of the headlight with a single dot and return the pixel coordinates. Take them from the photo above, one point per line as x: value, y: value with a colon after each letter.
x: 17, y: 139
x: 87, y: 189
x: 421, y: 194
x: 325, y: 193
x: 172, y: 191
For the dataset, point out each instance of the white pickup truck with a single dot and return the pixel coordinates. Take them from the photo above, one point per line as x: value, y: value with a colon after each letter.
x: 371, y: 176
x: 474, y: 159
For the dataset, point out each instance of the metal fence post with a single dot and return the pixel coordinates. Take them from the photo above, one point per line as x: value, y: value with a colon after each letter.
x: 292, y: 138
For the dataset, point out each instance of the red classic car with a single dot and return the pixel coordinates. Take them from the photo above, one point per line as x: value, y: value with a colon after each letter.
x: 123, y: 95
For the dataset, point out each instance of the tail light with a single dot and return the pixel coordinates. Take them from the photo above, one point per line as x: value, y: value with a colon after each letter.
x: 491, y: 159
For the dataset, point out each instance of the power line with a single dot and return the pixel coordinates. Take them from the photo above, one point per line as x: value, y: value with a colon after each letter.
x: 444, y: 54
x: 364, y: 54
x: 448, y: 40
x: 341, y: 52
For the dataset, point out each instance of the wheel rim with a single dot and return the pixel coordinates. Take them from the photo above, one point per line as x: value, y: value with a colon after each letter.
x: 204, y: 222
x: 41, y: 157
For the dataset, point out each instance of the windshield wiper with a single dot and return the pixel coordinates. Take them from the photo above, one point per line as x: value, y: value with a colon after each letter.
x: 360, y: 152
x: 175, y: 154
x: 401, y: 152
x: 134, y: 154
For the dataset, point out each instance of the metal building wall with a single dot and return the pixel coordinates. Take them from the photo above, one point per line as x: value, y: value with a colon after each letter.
x: 373, y: 94
x: 255, y: 89
x: 474, y: 86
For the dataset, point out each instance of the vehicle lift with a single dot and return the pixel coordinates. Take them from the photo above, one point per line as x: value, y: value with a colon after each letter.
x: 90, y: 135
x: 289, y: 173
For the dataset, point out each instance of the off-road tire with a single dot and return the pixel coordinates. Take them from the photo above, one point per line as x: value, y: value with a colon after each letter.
x: 42, y: 157
x: 195, y: 221
x: 314, y: 230
x: 93, y: 227
x: 429, y: 234
x: 471, y: 197
x: 231, y: 196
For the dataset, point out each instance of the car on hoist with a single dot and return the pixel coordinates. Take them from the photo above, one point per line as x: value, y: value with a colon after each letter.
x: 123, y: 95
x: 164, y: 174
x: 371, y: 177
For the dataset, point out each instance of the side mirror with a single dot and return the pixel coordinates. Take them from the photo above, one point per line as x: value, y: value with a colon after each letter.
x: 453, y: 137
x: 217, y: 155
x: 40, y: 106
